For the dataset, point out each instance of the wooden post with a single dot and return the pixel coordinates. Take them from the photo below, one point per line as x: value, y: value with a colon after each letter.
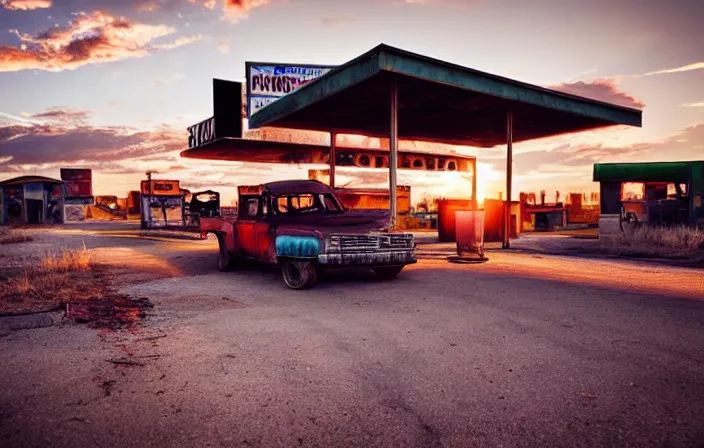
x: 333, y: 156
x: 509, y: 178
x: 393, y: 156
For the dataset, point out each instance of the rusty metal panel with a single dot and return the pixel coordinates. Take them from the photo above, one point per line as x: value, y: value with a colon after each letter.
x: 446, y: 217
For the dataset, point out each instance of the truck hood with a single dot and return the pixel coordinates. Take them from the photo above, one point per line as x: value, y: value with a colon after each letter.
x: 351, y: 221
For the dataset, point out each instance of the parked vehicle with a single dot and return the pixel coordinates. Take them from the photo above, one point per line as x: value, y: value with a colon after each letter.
x: 302, y: 227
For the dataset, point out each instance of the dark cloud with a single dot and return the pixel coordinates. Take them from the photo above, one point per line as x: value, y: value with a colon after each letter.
x: 59, y: 143
x: 63, y: 115
x: 606, y: 90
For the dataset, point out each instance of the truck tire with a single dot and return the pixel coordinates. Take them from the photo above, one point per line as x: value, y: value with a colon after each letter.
x: 388, y: 272
x: 299, y: 274
x: 225, y: 258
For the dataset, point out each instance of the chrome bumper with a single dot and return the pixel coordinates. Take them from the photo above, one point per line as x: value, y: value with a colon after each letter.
x: 381, y: 258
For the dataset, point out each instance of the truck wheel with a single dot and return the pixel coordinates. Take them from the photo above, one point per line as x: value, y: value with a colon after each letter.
x: 299, y: 274
x: 388, y: 272
x: 225, y: 260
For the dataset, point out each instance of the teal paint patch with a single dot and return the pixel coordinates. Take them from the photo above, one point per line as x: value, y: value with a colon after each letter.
x: 297, y: 246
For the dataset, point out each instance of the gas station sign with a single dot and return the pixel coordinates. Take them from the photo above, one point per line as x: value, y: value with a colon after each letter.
x: 161, y: 188
x: 268, y: 82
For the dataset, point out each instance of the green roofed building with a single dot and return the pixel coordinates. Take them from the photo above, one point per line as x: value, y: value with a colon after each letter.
x: 660, y: 193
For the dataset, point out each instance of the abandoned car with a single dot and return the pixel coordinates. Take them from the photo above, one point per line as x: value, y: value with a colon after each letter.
x: 302, y: 227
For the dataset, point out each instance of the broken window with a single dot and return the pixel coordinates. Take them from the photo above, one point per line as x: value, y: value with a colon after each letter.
x: 305, y: 203
x: 632, y: 191
x: 252, y: 207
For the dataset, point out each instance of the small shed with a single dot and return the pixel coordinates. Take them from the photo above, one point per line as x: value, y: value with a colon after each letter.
x: 31, y: 200
x: 659, y: 193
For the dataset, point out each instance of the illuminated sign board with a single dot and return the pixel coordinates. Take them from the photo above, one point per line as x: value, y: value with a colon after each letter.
x: 267, y: 82
x: 161, y: 188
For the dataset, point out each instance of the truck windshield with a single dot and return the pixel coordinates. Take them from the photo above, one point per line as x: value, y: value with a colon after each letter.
x: 305, y: 203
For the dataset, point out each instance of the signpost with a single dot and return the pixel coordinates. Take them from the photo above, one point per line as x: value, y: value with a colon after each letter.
x: 161, y: 197
x: 79, y: 185
x: 79, y: 193
x: 227, y: 115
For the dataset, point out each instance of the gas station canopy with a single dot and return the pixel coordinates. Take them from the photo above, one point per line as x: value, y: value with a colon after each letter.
x: 437, y: 102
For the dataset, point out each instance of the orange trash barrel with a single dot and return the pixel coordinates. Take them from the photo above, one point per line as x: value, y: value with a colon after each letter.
x: 446, y: 217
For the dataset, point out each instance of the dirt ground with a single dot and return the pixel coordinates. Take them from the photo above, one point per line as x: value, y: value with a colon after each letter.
x: 524, y: 350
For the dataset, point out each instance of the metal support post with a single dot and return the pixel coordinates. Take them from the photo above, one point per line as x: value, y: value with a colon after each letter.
x: 474, y: 184
x: 393, y: 157
x: 333, y: 156
x: 509, y: 180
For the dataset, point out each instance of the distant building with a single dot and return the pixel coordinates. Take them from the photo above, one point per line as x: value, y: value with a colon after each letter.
x: 661, y: 193
x: 31, y: 200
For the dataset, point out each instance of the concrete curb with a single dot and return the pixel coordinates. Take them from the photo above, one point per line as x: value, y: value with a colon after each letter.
x: 9, y: 324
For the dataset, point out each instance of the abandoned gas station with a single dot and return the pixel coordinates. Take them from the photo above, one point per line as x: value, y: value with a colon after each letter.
x: 395, y: 95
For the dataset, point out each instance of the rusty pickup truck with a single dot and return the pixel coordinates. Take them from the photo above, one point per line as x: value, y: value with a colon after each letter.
x: 302, y: 227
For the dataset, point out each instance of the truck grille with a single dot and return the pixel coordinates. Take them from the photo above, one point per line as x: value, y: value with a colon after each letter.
x: 371, y: 243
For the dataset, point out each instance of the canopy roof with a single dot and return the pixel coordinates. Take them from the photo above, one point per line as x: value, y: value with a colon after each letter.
x: 438, y: 101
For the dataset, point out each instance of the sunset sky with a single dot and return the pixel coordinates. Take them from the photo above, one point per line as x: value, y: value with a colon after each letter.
x: 113, y: 84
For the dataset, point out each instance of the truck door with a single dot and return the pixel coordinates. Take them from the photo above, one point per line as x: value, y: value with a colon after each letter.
x: 262, y: 228
x: 246, y: 226
x: 253, y: 228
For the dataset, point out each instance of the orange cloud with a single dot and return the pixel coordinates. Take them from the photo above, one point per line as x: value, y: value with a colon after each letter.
x: 223, y: 46
x: 89, y: 39
x: 25, y: 5
x: 148, y: 6
x: 236, y: 10
x: 336, y: 21
x: 606, y: 90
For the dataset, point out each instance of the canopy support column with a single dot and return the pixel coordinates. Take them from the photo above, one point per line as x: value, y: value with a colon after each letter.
x: 509, y: 180
x: 333, y: 157
x: 474, y: 184
x: 393, y: 157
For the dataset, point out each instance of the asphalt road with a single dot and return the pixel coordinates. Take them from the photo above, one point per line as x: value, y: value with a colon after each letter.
x: 524, y: 350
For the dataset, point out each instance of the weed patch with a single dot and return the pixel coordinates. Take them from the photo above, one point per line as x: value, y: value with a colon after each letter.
x: 668, y: 242
x: 13, y: 236
x: 47, y: 283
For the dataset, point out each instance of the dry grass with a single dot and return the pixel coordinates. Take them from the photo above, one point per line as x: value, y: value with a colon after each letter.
x: 13, y: 236
x: 675, y: 242
x: 47, y: 283
x: 67, y: 261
